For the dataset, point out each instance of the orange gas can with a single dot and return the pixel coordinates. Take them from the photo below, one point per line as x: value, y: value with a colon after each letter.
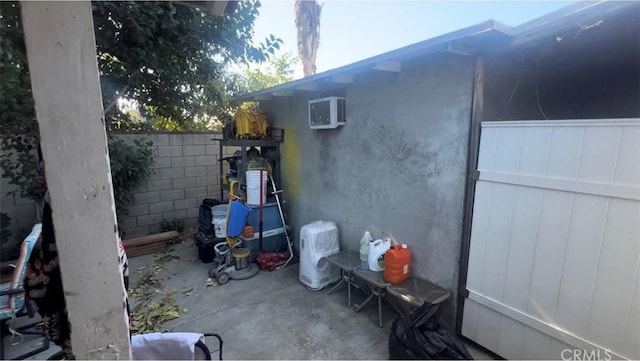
x: 397, y: 264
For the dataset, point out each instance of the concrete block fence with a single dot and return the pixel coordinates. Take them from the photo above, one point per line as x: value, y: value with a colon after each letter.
x: 185, y: 172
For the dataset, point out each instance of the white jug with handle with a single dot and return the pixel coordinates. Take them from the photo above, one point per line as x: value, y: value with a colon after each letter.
x: 377, y: 249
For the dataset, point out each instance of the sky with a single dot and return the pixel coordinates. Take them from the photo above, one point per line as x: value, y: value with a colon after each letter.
x: 355, y: 30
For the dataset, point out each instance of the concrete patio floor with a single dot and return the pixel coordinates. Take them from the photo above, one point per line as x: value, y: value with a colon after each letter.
x: 273, y: 315
x: 270, y: 316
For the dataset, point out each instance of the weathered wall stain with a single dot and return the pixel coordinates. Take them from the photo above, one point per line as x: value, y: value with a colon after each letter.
x: 290, y: 161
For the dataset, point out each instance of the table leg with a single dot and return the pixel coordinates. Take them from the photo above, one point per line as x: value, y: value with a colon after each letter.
x: 379, y: 307
x: 357, y: 308
x: 348, y: 289
x: 337, y: 284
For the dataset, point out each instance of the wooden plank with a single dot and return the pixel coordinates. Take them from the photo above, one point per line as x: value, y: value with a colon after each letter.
x: 61, y: 51
x: 343, y: 78
x: 152, y: 238
x: 388, y: 65
x: 308, y: 86
x: 146, y: 248
x: 149, y: 245
x: 144, y: 252
x: 282, y: 93
x: 477, y: 108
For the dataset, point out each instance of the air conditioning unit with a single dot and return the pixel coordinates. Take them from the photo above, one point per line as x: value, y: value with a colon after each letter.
x: 327, y: 113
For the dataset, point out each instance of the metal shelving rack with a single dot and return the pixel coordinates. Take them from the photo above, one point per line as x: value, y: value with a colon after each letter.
x: 244, y: 145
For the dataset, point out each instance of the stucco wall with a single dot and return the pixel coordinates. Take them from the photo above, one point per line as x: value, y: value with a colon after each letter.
x: 398, y: 166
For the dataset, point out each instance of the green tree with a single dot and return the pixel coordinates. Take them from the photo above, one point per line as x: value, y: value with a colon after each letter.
x: 171, y: 59
x: 307, y: 20
x: 168, y: 58
x: 277, y: 71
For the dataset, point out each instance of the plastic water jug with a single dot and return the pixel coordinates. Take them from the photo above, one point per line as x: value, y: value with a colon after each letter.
x: 377, y: 250
x: 364, y: 246
x: 397, y: 264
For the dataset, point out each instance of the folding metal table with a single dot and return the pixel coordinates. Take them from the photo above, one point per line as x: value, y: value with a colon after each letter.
x: 378, y: 288
x: 347, y: 261
x: 417, y: 291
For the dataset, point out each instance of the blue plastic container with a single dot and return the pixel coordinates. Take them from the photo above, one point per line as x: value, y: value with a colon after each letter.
x: 238, y: 214
x: 270, y: 217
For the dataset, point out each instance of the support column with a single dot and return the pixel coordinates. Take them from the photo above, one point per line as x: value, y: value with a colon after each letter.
x: 61, y: 53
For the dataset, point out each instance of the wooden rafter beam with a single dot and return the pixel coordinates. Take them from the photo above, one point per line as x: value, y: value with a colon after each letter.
x: 388, y: 65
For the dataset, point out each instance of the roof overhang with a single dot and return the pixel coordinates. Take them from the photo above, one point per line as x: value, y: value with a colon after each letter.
x: 462, y: 42
x: 485, y: 37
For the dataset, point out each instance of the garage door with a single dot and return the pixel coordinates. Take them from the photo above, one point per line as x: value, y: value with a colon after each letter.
x: 555, y: 240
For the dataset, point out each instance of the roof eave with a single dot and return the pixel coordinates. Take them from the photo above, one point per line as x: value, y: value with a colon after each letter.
x: 411, y: 51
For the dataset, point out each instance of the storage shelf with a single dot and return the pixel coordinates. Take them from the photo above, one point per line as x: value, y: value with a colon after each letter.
x: 249, y: 142
x: 244, y: 145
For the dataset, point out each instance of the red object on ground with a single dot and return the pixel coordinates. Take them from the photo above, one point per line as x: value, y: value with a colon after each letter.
x: 271, y: 260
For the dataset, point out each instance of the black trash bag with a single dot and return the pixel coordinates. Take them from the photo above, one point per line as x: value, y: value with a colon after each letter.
x: 418, y: 337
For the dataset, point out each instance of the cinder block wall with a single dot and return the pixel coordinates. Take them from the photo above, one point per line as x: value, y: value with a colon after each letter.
x: 185, y: 172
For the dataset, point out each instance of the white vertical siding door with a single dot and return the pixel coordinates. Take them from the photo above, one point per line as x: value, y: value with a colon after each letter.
x: 554, y: 257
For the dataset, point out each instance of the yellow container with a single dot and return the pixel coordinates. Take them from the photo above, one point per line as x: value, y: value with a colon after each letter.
x: 250, y: 124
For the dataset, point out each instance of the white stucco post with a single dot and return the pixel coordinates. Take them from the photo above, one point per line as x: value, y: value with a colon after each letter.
x: 61, y: 52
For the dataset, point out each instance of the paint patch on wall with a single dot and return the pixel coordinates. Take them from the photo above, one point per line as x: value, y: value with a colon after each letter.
x: 292, y: 166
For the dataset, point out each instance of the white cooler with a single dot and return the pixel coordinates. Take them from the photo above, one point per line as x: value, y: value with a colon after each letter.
x: 318, y: 239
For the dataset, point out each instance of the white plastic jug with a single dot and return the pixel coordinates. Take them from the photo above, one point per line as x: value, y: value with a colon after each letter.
x: 377, y: 249
x: 364, y: 246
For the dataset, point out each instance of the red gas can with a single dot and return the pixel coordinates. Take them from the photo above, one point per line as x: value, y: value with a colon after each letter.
x: 397, y: 264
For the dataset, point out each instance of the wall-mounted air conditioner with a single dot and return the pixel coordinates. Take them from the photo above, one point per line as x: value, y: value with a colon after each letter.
x: 327, y: 113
